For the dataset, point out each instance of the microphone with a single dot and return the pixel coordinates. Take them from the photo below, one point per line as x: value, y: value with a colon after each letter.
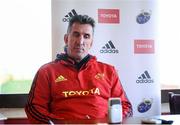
x: 114, y: 110
x: 51, y: 123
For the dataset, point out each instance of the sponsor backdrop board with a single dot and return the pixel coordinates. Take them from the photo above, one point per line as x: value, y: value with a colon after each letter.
x: 125, y: 36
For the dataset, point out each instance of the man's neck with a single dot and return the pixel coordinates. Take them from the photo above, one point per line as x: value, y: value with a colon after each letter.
x: 77, y: 60
x: 82, y: 61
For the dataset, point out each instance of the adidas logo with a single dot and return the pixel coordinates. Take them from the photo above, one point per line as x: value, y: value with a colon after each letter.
x: 144, y: 78
x: 99, y: 76
x: 60, y: 79
x: 109, y: 48
x: 69, y: 15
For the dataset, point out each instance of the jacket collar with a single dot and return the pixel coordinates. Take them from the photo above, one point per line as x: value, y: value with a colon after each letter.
x: 71, y: 61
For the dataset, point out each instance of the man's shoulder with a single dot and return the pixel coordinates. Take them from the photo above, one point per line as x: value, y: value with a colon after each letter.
x: 49, y: 65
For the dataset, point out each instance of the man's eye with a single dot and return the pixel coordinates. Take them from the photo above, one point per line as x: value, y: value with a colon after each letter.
x: 76, y: 34
x: 86, y: 36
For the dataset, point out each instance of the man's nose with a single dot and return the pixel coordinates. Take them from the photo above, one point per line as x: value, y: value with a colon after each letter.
x: 81, y: 40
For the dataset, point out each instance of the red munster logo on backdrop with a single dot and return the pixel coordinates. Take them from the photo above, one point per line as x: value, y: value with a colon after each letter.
x: 108, y: 15
x: 143, y: 46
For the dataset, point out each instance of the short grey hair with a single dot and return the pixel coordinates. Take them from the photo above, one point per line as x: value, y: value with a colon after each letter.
x: 82, y: 19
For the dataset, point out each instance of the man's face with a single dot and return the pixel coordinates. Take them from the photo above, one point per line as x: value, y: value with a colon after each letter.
x: 79, y: 40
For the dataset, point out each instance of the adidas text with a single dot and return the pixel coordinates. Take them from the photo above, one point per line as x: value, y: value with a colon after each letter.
x: 109, y: 51
x: 144, y: 81
x: 65, y: 19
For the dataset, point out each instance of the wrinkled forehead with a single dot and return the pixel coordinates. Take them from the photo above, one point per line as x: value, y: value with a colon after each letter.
x: 82, y: 28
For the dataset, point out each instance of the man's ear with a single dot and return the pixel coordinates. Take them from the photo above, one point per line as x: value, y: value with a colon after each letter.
x: 66, y: 39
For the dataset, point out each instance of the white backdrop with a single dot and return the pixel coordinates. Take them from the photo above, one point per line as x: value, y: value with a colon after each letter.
x: 125, y: 36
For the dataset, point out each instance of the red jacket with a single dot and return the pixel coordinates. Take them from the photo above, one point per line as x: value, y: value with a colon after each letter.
x: 60, y: 90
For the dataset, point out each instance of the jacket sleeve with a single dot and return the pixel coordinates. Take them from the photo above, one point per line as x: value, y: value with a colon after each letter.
x: 118, y: 91
x: 37, y: 107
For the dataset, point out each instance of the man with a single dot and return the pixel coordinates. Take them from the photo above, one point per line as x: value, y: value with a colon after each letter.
x: 75, y: 85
